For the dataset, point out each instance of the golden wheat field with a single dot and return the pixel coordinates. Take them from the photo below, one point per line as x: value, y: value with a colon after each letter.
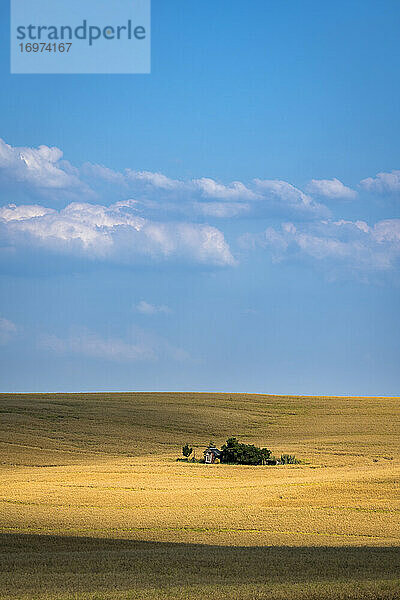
x: 94, y: 504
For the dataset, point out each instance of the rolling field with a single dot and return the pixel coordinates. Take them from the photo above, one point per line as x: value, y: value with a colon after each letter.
x: 94, y: 505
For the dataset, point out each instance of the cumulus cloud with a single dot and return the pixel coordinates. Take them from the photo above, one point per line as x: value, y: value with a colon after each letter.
x: 43, y: 171
x: 209, y: 188
x: 382, y: 183
x: 154, y: 192
x: 330, y: 188
x: 143, y: 346
x: 157, y: 180
x: 351, y: 243
x: 212, y: 189
x: 284, y: 196
x: 12, y: 212
x: 39, y: 168
x: 151, y: 309
x: 138, y: 216
x: 8, y: 329
x: 209, y: 198
x: 113, y: 233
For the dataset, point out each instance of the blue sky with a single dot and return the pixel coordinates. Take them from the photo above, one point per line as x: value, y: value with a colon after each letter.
x: 229, y: 222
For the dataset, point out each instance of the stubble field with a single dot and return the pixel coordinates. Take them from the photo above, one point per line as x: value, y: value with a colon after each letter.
x: 94, y: 505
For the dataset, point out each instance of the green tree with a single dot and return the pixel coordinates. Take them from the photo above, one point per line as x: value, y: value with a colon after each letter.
x: 234, y: 452
x: 187, y: 450
x: 288, y: 459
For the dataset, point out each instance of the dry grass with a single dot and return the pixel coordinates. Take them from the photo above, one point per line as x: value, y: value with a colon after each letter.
x: 103, y: 466
x: 67, y: 567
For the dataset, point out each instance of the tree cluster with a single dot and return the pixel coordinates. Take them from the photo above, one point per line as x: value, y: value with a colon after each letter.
x: 234, y: 452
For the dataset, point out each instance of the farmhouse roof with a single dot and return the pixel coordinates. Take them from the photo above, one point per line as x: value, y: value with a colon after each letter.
x: 214, y: 450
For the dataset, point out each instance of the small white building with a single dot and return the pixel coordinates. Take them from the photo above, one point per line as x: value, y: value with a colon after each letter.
x: 211, y: 454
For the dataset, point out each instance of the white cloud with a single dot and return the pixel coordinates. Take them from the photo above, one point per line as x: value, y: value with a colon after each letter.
x: 143, y: 346
x: 350, y: 243
x: 7, y: 330
x: 387, y: 231
x: 157, y: 180
x: 209, y: 198
x: 207, y: 187
x: 283, y: 190
x: 220, y: 209
x: 383, y: 183
x: 212, y: 189
x: 12, y: 212
x: 41, y: 168
x: 151, y: 309
x: 104, y: 173
x: 155, y: 192
x: 112, y: 233
x: 93, y: 346
x: 287, y: 197
x: 362, y: 225
x: 43, y: 171
x: 199, y: 197
x: 330, y: 188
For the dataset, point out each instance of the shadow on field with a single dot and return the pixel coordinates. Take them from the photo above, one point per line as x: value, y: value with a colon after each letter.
x: 41, y: 566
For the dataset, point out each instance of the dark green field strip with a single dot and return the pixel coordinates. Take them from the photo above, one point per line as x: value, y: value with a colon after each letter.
x: 40, y: 566
x: 135, y: 532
